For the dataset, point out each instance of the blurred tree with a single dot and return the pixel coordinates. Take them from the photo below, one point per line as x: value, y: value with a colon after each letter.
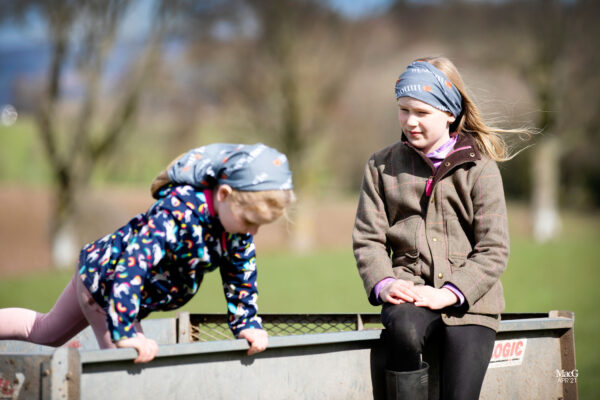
x: 545, y: 25
x: 580, y: 169
x: 548, y: 43
x: 278, y: 68
x: 301, y: 60
x: 75, y: 129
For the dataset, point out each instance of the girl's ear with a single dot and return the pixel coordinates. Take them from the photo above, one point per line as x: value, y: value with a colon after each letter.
x: 451, y: 119
x: 223, y: 192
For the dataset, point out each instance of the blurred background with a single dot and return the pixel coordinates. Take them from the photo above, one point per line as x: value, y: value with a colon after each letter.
x: 97, y: 97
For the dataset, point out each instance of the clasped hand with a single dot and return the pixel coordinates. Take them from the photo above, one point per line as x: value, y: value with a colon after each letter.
x: 401, y: 291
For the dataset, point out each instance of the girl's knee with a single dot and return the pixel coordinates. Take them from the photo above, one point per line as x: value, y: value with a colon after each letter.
x: 401, y: 328
x: 397, y: 317
x: 48, y: 330
x: 408, y: 325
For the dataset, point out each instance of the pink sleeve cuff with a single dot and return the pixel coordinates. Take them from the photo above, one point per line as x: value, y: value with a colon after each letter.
x: 457, y: 292
x: 380, y: 285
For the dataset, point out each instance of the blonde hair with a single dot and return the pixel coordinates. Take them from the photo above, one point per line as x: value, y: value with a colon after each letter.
x: 490, y: 140
x: 265, y: 205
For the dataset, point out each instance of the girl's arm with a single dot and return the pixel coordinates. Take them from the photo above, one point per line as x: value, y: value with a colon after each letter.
x: 369, y: 235
x: 144, y: 249
x: 238, y: 273
x: 489, y: 258
x: 370, y: 242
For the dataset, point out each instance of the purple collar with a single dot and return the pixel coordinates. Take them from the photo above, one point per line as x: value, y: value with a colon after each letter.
x: 441, y: 152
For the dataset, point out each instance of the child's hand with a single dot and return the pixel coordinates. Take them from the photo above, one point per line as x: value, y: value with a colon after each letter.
x: 146, y: 348
x: 433, y: 298
x: 399, y: 291
x: 257, y: 338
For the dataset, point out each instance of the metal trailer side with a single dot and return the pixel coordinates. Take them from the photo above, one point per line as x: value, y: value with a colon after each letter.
x: 331, y: 365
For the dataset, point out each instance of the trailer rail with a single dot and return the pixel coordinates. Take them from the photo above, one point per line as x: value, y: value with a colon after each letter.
x: 332, y: 356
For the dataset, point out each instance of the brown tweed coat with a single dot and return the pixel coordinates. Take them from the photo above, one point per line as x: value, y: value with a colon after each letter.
x: 458, y: 235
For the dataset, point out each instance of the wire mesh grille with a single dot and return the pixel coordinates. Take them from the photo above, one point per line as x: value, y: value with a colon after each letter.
x: 214, y: 327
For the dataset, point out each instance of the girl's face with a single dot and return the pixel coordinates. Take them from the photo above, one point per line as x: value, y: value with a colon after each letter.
x: 233, y: 218
x: 425, y: 127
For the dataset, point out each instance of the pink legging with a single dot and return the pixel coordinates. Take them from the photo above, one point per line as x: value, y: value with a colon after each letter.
x: 74, y: 310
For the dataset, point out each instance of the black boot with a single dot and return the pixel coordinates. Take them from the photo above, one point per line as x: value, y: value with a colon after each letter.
x: 409, y: 385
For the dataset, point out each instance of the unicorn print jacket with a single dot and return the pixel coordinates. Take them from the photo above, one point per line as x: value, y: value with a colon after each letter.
x: 157, y: 262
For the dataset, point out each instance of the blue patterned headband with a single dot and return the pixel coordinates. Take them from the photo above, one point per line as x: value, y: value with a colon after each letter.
x: 243, y: 167
x: 423, y: 81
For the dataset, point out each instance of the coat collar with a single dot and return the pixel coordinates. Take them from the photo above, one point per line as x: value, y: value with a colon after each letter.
x: 465, y: 150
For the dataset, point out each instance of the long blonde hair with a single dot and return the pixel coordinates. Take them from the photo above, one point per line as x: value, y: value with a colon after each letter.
x: 490, y: 140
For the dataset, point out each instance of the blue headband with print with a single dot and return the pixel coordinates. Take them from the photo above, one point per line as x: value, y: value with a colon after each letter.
x: 423, y: 81
x: 243, y: 167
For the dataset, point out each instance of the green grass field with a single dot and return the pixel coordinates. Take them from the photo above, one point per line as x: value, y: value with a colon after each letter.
x: 561, y: 275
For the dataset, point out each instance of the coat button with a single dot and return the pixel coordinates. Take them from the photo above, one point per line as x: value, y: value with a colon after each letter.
x: 440, y: 275
x: 472, y: 155
x: 447, y: 163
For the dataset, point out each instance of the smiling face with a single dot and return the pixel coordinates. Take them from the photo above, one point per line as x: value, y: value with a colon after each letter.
x: 425, y: 127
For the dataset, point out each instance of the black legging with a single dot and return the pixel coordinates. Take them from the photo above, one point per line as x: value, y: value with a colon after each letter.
x: 466, y: 350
